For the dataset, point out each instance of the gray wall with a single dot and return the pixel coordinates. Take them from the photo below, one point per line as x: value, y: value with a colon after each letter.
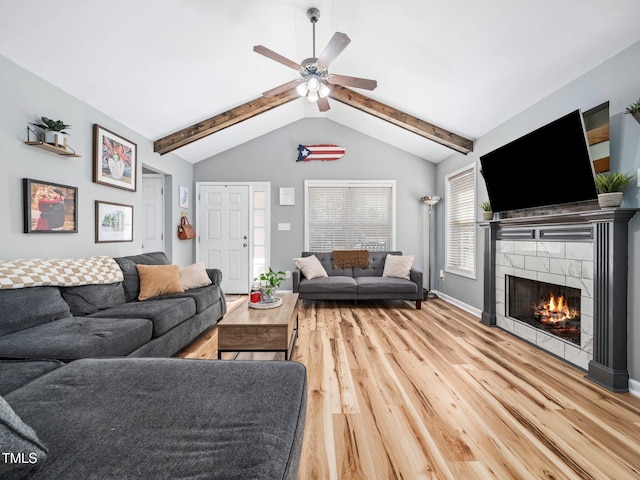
x: 615, y: 81
x: 272, y: 158
x: 25, y: 98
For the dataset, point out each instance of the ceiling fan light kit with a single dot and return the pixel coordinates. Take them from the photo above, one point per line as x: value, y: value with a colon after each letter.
x: 314, y: 84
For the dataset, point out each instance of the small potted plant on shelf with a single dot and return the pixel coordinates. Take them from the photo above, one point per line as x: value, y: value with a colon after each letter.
x: 53, y: 131
x: 610, y: 186
x: 269, y: 281
x: 487, y: 213
x: 634, y: 110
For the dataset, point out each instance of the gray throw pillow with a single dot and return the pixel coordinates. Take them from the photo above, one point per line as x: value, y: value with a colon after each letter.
x: 21, y: 452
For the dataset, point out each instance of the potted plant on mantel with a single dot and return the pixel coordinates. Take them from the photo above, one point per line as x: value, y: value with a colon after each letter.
x: 269, y: 281
x: 610, y: 186
x: 487, y: 212
x: 634, y: 110
x: 53, y: 131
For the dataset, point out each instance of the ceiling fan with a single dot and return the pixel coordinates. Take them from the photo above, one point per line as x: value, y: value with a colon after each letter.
x: 314, y: 72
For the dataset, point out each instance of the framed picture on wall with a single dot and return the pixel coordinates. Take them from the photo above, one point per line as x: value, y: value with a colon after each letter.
x: 114, y: 222
x: 49, y: 207
x: 184, y: 197
x: 114, y: 159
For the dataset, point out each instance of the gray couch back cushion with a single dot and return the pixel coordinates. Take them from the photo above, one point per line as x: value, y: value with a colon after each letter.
x: 89, y: 299
x: 376, y: 265
x: 128, y: 264
x: 24, y: 308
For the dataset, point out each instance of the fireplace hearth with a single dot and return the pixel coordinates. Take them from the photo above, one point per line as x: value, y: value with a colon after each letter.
x: 552, y: 308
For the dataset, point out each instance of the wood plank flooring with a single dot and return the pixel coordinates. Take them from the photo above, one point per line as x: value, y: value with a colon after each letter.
x: 400, y: 393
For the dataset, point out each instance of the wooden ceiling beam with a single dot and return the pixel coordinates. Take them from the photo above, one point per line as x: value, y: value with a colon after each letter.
x: 401, y: 119
x: 221, y: 121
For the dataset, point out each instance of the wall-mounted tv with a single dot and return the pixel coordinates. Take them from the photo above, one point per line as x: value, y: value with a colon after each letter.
x: 549, y: 166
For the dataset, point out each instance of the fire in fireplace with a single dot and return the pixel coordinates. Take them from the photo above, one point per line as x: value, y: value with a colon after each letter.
x: 545, y: 306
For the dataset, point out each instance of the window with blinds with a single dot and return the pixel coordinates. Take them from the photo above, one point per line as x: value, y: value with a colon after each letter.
x: 460, y: 222
x: 349, y: 216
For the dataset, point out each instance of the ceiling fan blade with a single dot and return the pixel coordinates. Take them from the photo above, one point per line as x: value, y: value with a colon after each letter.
x: 347, y: 81
x: 262, y: 50
x: 283, y: 88
x: 336, y: 45
x: 323, y: 104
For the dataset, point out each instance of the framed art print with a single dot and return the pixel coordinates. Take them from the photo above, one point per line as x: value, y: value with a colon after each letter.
x: 114, y: 159
x: 114, y: 222
x: 49, y: 207
x: 184, y: 197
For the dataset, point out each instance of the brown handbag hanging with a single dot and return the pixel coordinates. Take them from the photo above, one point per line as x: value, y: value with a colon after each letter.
x: 185, y: 229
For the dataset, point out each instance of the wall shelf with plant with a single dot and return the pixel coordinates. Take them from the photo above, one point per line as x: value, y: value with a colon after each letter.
x: 634, y: 110
x: 51, y: 137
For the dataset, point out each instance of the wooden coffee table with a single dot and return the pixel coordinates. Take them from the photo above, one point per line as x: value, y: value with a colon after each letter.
x: 247, y: 329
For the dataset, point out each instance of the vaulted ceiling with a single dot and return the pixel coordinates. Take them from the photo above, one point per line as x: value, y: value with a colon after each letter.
x: 457, y: 68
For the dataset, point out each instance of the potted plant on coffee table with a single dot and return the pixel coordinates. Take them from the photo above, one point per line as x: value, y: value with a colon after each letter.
x: 53, y: 131
x: 610, y: 186
x: 269, y: 281
x: 634, y: 110
x: 487, y: 212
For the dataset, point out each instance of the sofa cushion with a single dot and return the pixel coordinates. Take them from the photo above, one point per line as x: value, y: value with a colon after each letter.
x: 89, y: 299
x: 164, y: 313
x: 28, y: 307
x: 326, y: 260
x: 194, y: 276
x: 310, y: 267
x: 16, y: 373
x: 398, y: 266
x: 78, y: 337
x: 329, y: 285
x: 386, y: 286
x: 158, y: 280
x: 20, y: 442
x: 128, y: 265
x: 168, y: 418
x: 376, y: 264
x: 203, y: 296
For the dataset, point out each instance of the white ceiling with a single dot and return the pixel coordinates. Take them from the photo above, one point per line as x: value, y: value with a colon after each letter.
x: 158, y: 66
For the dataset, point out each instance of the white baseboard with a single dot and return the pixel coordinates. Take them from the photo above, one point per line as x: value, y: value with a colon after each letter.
x: 467, y: 308
x: 634, y: 387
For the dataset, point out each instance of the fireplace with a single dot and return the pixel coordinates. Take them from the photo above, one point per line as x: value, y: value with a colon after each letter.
x: 585, y: 250
x: 545, y: 306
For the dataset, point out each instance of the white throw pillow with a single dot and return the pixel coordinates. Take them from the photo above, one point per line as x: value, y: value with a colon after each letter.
x: 397, y: 266
x: 194, y: 276
x: 310, y: 267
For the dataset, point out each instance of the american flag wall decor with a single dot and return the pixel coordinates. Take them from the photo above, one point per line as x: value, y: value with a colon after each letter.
x: 324, y: 152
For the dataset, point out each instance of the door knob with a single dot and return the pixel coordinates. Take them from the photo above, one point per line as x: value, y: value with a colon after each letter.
x: 244, y: 244
x: 244, y: 237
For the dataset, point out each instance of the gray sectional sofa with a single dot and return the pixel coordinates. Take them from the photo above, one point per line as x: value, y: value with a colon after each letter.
x: 66, y: 414
x: 69, y: 323
x: 357, y: 283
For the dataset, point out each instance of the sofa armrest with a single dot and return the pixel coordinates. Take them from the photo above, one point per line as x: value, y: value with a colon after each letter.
x: 215, y: 275
x: 416, y: 277
x: 295, y: 279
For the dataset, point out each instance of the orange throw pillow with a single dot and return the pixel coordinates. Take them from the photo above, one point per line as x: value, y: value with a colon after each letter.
x: 158, y: 280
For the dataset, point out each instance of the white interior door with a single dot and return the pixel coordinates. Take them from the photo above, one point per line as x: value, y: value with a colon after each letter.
x: 153, y: 204
x: 224, y: 233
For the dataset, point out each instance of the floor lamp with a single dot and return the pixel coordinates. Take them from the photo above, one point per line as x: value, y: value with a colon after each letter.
x: 431, y: 201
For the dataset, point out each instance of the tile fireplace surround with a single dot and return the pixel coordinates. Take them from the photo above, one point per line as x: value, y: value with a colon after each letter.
x: 584, y: 249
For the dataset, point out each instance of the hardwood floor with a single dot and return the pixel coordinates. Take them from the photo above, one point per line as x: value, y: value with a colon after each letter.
x: 396, y: 392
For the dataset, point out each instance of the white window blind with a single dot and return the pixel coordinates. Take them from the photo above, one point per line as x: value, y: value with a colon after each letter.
x: 461, y: 229
x: 349, y: 216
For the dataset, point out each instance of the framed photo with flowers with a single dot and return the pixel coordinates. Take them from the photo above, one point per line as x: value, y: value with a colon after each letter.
x: 114, y: 159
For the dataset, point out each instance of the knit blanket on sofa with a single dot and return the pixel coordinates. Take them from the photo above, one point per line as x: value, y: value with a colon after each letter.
x: 59, y: 272
x: 350, y: 258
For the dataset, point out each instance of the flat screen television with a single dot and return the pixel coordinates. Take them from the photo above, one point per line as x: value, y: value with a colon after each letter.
x: 549, y: 166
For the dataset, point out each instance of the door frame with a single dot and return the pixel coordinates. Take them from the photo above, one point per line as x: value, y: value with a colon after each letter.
x: 253, y: 188
x: 163, y: 178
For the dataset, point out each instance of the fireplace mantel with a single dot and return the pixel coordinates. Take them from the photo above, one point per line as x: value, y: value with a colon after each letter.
x: 607, y: 230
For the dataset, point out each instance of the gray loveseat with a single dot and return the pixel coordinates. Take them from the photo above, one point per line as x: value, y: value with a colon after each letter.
x: 106, y: 320
x: 357, y: 283
x: 151, y: 418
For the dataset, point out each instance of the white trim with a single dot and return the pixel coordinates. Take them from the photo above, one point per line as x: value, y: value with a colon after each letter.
x: 634, y: 387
